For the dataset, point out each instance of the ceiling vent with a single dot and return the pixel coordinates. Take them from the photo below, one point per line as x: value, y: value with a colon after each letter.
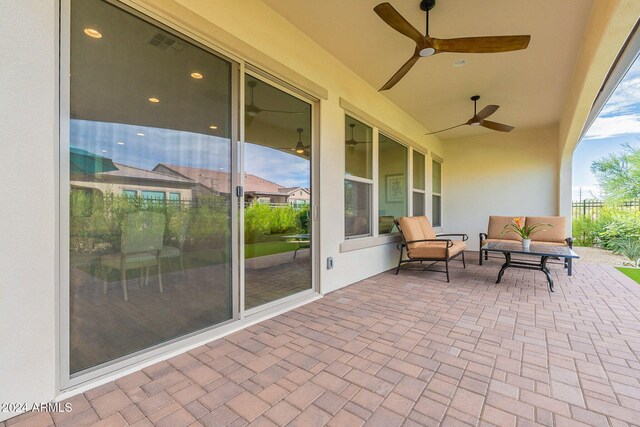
x: 166, y: 43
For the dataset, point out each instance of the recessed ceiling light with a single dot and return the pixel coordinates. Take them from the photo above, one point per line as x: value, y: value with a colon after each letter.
x: 213, y: 127
x: 93, y: 33
x: 459, y: 63
x: 154, y: 100
x: 120, y: 143
x: 140, y: 134
x: 196, y: 75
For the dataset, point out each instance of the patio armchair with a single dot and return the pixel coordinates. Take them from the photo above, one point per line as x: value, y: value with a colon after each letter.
x: 140, y: 247
x: 421, y: 243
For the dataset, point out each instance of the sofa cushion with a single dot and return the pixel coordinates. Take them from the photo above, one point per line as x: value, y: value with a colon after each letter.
x: 436, y: 250
x: 416, y: 228
x: 556, y: 233
x: 496, y: 228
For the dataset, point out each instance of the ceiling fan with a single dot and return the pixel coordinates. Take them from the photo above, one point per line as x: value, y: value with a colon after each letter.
x: 351, y: 142
x: 252, y: 110
x: 429, y: 46
x: 300, y: 148
x: 478, y: 119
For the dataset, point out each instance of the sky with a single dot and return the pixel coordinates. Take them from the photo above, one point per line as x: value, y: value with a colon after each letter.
x: 617, y: 124
x: 145, y: 147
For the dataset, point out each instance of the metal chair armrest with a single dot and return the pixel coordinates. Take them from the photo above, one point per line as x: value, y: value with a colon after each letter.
x: 569, y: 241
x: 449, y: 241
x: 464, y: 236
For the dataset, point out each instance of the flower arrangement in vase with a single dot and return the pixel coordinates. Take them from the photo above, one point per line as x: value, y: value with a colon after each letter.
x: 524, y: 231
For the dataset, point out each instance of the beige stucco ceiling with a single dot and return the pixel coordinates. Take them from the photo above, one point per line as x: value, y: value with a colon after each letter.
x: 531, y: 86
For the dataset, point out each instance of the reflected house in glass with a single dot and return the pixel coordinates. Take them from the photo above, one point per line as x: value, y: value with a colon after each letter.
x: 132, y: 181
x: 298, y: 196
x: 211, y: 182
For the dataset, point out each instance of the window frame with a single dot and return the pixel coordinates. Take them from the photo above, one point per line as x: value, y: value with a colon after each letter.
x: 369, y: 181
x: 408, y: 180
x: 436, y: 194
x: 413, y: 187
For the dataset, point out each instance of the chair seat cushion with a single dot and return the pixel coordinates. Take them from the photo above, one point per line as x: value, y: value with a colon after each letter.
x: 135, y: 260
x: 169, y: 252
x: 436, y: 250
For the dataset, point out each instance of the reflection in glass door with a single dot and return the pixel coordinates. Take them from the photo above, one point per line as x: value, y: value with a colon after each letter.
x: 277, y: 194
x: 150, y: 214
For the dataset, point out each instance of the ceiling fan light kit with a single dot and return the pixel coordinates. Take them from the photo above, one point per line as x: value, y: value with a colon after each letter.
x: 428, y: 46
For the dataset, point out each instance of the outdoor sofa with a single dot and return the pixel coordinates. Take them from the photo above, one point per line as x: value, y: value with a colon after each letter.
x: 556, y: 235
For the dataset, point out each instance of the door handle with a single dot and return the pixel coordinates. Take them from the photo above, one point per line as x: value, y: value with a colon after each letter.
x: 239, y: 191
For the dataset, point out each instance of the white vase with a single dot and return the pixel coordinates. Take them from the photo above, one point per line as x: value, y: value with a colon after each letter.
x: 525, y: 244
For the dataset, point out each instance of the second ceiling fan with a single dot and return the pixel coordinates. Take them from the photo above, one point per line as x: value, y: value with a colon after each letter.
x: 479, y: 119
x: 429, y: 46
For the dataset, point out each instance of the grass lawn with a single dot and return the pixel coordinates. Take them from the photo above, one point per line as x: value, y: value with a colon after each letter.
x: 253, y: 250
x: 634, y: 273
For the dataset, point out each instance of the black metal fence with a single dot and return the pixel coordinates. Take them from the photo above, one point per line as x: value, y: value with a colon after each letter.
x: 593, y: 208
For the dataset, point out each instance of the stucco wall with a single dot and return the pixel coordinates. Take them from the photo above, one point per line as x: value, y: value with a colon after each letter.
x: 29, y: 265
x: 267, y: 31
x: 28, y: 58
x: 498, y: 174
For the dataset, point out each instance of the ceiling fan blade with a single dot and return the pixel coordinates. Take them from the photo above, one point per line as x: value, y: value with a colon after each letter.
x: 400, y: 73
x: 488, y: 44
x: 396, y: 21
x: 487, y: 111
x: 248, y: 119
x: 496, y: 126
x: 442, y: 130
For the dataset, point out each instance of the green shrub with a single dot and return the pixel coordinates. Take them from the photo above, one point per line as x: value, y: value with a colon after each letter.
x: 585, y: 231
x: 262, y: 221
x: 629, y: 247
x: 618, y: 224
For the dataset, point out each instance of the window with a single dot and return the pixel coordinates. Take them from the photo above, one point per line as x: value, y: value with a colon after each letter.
x: 392, y: 173
x: 174, y: 198
x: 156, y: 196
x: 418, y: 183
x: 358, y: 182
x: 436, y: 193
x: 131, y: 194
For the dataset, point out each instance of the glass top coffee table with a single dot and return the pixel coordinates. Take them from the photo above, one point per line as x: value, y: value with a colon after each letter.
x: 543, y: 251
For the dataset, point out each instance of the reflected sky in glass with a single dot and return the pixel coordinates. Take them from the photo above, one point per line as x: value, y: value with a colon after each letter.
x: 183, y: 148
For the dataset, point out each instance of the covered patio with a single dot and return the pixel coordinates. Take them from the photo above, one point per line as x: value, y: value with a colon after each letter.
x: 404, y: 350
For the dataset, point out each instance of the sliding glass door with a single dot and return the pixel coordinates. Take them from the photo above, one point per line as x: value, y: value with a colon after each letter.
x: 277, y: 193
x: 157, y: 182
x: 150, y: 186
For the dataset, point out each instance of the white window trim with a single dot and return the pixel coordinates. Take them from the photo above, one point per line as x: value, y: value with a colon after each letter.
x: 439, y: 160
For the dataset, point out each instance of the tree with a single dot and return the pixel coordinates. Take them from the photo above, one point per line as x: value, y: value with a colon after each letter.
x: 619, y: 174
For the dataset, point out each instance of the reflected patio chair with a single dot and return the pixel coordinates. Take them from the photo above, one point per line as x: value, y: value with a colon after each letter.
x: 141, y: 243
x: 178, y: 227
x: 423, y: 244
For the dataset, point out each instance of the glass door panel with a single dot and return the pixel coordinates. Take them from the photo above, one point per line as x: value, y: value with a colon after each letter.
x: 277, y: 194
x: 150, y: 186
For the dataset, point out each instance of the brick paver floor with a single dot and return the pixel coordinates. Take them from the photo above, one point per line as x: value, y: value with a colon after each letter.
x: 405, y: 350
